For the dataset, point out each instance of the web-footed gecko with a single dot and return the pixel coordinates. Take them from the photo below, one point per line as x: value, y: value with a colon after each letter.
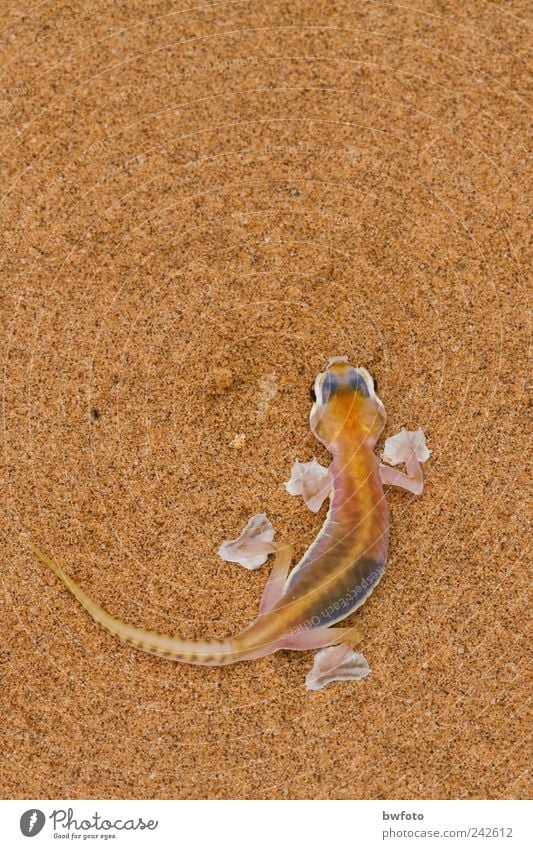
x: 340, y: 569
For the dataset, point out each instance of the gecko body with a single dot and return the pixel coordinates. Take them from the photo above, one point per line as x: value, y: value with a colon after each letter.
x: 301, y: 608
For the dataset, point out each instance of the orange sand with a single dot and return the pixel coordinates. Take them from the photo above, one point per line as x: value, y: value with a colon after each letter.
x: 199, y: 208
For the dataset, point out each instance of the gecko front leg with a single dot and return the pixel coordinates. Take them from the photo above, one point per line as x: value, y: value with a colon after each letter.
x: 310, y: 480
x: 413, y: 481
x: 407, y: 447
x: 251, y: 549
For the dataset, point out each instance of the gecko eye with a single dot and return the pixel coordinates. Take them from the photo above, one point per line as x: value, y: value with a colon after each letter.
x: 329, y: 387
x: 312, y: 392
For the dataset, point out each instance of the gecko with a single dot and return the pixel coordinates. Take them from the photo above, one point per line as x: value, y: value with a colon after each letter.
x: 302, y: 608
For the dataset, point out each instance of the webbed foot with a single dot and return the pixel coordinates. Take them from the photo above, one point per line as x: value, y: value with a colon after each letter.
x: 336, y: 663
x: 409, y: 447
x: 310, y: 480
x: 253, y: 545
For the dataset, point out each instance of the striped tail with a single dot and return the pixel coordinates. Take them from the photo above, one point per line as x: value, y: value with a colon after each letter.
x: 172, y: 648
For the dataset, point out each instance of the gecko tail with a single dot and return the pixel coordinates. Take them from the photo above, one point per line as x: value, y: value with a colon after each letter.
x: 171, y: 648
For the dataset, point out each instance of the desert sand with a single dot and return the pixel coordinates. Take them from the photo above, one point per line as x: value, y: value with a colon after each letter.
x: 200, y: 205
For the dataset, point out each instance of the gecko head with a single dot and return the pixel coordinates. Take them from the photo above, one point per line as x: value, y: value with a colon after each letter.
x: 345, y: 405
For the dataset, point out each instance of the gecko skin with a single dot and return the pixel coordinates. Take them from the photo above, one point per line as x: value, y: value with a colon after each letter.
x: 342, y: 566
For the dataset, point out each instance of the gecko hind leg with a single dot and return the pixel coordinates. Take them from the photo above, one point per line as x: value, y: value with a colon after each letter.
x: 318, y: 638
x: 413, y: 481
x: 278, y: 576
x: 336, y: 660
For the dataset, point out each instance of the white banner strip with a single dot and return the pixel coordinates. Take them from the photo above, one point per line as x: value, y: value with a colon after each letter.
x: 258, y: 824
